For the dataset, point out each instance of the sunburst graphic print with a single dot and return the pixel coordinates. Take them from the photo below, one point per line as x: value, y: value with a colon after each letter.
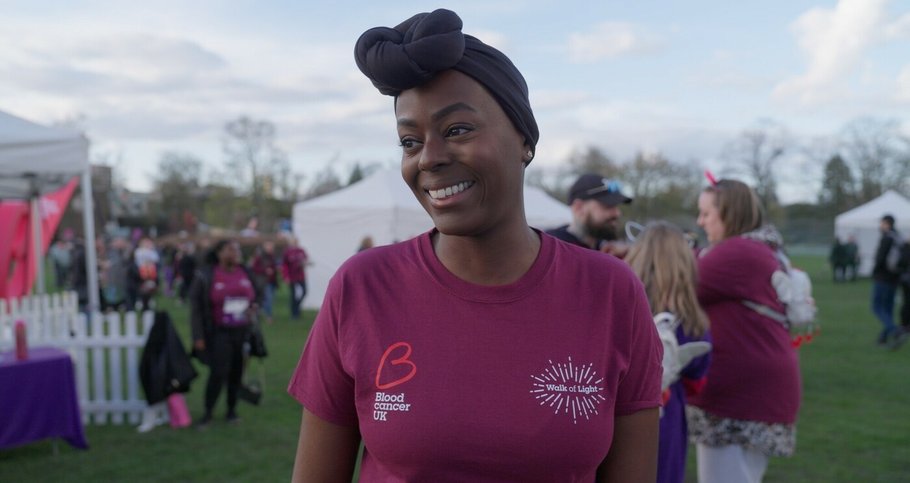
x: 573, y: 389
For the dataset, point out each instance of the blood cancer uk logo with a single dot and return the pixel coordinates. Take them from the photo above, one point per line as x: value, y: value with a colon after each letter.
x: 575, y: 390
x: 395, y: 368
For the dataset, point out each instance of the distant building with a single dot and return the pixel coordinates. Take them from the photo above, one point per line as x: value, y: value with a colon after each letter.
x: 114, y: 206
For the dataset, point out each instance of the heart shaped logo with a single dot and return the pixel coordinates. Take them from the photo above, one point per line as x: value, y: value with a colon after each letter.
x: 403, y: 360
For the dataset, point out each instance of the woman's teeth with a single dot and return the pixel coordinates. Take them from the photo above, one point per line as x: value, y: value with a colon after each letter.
x: 444, y: 193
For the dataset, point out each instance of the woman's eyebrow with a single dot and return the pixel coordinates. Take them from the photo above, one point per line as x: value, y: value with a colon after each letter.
x: 436, y: 116
x: 445, y: 111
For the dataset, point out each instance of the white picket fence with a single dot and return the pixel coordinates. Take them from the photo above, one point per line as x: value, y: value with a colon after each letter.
x: 105, y: 351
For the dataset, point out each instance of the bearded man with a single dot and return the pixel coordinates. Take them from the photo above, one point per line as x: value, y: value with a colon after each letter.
x: 595, y: 202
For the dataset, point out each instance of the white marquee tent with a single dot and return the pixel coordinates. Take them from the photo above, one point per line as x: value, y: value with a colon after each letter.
x: 331, y: 227
x: 35, y: 160
x: 863, y: 222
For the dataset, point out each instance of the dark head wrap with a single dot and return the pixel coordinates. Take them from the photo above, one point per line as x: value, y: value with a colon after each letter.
x: 420, y: 47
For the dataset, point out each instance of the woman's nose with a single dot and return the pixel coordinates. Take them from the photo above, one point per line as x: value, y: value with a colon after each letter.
x: 434, y: 154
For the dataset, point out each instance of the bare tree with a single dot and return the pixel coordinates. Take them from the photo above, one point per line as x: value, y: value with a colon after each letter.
x: 288, y: 184
x: 326, y: 181
x: 554, y: 180
x: 253, y: 161
x: 838, y: 191
x: 647, y: 174
x: 360, y: 171
x: 756, y: 153
x: 878, y: 152
x: 593, y: 161
x: 660, y: 187
x: 177, y: 186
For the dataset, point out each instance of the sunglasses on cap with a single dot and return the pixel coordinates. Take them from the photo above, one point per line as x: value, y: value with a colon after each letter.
x: 611, y: 186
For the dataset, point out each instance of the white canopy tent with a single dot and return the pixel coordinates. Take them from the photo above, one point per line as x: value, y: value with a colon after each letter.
x: 35, y: 160
x: 862, y: 223
x: 331, y: 227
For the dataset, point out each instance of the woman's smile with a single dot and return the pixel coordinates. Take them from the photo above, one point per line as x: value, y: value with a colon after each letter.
x: 444, y: 193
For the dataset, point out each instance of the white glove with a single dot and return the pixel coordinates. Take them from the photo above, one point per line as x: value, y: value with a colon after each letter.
x: 676, y: 357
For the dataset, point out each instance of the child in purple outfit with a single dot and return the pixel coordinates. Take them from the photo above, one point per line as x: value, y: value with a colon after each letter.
x: 664, y: 262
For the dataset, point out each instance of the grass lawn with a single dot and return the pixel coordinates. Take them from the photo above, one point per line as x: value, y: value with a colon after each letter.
x: 853, y: 425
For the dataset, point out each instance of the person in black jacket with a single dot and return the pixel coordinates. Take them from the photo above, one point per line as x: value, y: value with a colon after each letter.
x: 904, y: 279
x: 884, y: 285
x: 837, y: 258
x: 851, y: 259
x: 223, y: 303
x: 186, y: 269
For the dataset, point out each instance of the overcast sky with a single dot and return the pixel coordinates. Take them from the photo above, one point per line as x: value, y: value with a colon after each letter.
x: 679, y: 77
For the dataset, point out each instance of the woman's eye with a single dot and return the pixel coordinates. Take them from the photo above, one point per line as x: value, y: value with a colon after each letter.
x: 458, y: 130
x: 407, y: 143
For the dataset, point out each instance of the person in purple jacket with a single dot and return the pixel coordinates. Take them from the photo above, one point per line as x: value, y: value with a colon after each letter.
x: 747, y: 409
x: 663, y: 260
x: 482, y: 350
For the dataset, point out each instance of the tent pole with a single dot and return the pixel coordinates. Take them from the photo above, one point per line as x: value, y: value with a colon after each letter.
x: 36, y: 243
x: 91, y: 256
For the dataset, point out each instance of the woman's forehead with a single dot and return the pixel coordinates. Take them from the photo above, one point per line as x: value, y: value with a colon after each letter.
x: 448, y: 87
x: 706, y: 197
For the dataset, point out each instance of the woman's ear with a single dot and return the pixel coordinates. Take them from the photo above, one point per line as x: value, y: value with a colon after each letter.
x: 528, y: 154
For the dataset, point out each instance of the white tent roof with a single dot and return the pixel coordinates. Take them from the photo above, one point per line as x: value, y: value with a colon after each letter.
x: 381, y: 206
x: 386, y: 190
x: 862, y: 225
x: 869, y: 215
x: 37, y: 157
x: 382, y: 188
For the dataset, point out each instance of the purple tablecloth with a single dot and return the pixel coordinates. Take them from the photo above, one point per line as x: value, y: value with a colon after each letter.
x: 38, y: 399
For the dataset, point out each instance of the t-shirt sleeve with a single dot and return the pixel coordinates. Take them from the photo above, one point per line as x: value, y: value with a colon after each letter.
x: 320, y: 381
x: 640, y: 387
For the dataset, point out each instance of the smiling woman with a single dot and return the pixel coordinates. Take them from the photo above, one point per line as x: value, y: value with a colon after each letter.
x: 464, y: 161
x: 469, y: 353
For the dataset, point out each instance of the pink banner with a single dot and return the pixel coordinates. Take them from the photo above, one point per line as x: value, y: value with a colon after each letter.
x: 17, y: 257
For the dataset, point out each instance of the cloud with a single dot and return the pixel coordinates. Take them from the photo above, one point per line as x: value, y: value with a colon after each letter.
x: 548, y: 99
x: 125, y: 63
x: 622, y: 128
x: 133, y: 86
x: 147, y: 124
x: 899, y: 29
x: 903, y: 84
x: 610, y: 40
x: 494, y: 39
x: 834, y: 41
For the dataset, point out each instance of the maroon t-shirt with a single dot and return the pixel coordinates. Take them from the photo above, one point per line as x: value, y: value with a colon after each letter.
x: 294, y: 264
x: 451, y: 381
x: 231, y: 294
x: 754, y: 371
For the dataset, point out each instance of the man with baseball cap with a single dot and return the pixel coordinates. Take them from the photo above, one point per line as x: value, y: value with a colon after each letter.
x: 595, y: 202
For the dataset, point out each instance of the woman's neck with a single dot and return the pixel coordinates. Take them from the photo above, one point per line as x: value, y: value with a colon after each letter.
x: 500, y: 258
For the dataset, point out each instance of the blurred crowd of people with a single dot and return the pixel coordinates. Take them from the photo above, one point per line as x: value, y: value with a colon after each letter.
x: 128, y: 271
x: 132, y: 271
x: 844, y: 259
x: 229, y: 294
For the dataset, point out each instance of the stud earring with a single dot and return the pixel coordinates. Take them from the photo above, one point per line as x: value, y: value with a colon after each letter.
x: 530, y: 155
